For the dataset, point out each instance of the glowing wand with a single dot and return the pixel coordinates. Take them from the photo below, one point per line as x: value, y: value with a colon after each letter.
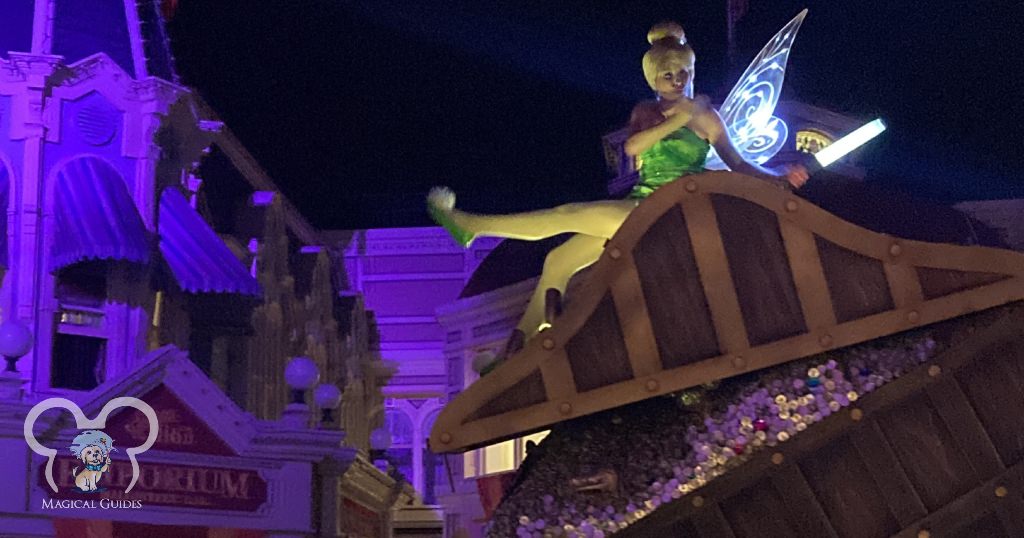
x: 846, y: 144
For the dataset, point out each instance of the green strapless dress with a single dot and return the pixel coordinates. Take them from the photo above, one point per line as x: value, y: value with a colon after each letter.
x: 678, y: 154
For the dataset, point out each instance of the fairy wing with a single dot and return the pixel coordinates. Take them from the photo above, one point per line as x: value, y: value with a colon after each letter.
x: 747, y: 111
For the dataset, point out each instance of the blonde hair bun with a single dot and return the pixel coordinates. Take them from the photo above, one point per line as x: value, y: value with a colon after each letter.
x: 666, y: 30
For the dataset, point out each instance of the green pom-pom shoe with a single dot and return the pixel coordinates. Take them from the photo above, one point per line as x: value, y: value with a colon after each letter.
x: 440, y: 203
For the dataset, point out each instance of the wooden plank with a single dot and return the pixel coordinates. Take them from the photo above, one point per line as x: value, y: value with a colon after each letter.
x: 903, y: 284
x: 760, y: 270
x: 597, y: 352
x: 849, y: 496
x: 710, y: 522
x: 937, y: 468
x: 758, y: 512
x: 998, y: 405
x: 809, y: 275
x: 939, y: 282
x: 1010, y: 511
x: 985, y: 524
x: 847, y: 234
x: 952, y: 405
x: 805, y: 513
x: 856, y: 283
x: 975, y: 505
x: 631, y: 310
x: 558, y: 382
x: 528, y: 391
x: 885, y: 470
x: 713, y: 267
x: 661, y: 255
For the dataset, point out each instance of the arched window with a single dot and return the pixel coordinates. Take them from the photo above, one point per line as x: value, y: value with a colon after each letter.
x: 435, y: 474
x: 402, y: 440
x: 400, y: 426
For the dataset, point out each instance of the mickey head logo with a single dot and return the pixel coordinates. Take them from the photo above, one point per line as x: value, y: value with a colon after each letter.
x: 81, y: 422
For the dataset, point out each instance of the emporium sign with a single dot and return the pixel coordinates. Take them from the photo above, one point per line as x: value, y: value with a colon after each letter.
x: 165, y: 484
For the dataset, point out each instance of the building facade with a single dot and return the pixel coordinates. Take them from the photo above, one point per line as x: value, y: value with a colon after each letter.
x: 128, y: 273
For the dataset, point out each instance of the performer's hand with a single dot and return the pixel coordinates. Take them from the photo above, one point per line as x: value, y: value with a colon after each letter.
x: 796, y: 175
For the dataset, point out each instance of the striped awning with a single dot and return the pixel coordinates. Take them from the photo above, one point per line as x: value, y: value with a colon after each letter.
x: 199, y: 260
x: 96, y: 218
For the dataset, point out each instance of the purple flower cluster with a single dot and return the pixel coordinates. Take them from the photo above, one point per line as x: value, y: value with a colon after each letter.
x: 665, y: 448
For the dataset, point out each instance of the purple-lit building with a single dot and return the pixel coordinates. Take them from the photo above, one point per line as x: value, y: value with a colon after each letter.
x: 134, y: 279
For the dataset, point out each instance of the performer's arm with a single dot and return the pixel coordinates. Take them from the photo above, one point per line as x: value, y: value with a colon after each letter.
x: 711, y: 123
x: 649, y: 125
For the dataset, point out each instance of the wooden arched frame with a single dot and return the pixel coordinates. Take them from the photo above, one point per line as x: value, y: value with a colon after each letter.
x: 556, y: 378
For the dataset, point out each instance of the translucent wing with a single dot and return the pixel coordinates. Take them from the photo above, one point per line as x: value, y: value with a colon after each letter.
x: 747, y: 111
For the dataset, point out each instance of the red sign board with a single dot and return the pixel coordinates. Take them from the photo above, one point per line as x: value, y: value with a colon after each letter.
x: 164, y: 484
x: 359, y: 521
x: 180, y: 429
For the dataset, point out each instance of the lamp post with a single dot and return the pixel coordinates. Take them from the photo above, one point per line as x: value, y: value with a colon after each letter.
x: 300, y: 374
x: 15, y: 342
x: 327, y: 397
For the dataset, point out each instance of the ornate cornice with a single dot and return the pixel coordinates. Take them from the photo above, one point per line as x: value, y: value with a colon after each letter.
x: 31, y: 68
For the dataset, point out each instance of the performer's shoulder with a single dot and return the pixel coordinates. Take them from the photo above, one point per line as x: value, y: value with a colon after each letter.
x: 645, y: 114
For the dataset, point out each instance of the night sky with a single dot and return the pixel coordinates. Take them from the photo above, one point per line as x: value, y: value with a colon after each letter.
x: 357, y: 108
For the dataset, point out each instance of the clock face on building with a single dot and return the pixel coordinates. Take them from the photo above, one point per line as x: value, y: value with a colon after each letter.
x: 810, y: 140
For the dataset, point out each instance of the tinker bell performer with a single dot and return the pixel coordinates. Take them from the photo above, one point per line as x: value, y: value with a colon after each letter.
x: 670, y: 137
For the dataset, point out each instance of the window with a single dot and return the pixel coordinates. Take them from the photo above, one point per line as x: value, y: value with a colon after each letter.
x: 435, y: 474
x: 77, y: 362
x: 79, y: 343
x: 400, y: 452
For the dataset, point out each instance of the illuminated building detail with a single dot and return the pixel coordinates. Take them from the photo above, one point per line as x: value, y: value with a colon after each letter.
x: 810, y: 141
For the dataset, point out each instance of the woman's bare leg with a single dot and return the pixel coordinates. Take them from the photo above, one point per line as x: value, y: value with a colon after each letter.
x: 559, y: 266
x: 598, y: 219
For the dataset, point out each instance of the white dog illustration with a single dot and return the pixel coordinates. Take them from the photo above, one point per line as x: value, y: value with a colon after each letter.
x: 93, y: 447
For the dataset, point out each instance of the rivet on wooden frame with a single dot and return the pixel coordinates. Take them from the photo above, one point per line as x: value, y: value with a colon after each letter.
x: 934, y: 370
x: 895, y: 249
x: 739, y: 362
x: 792, y: 205
x: 615, y: 253
x: 548, y: 344
x: 825, y: 340
x: 698, y: 501
x: 778, y: 458
x: 565, y: 408
x: 1001, y: 491
x: 856, y: 415
x: 446, y: 438
x: 691, y: 186
x: 651, y: 385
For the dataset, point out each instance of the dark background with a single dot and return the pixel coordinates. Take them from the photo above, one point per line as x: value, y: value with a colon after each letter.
x: 356, y: 108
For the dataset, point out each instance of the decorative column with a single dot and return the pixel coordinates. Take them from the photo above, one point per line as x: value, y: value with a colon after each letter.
x: 31, y: 118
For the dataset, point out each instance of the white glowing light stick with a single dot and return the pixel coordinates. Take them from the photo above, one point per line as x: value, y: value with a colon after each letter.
x: 848, y: 143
